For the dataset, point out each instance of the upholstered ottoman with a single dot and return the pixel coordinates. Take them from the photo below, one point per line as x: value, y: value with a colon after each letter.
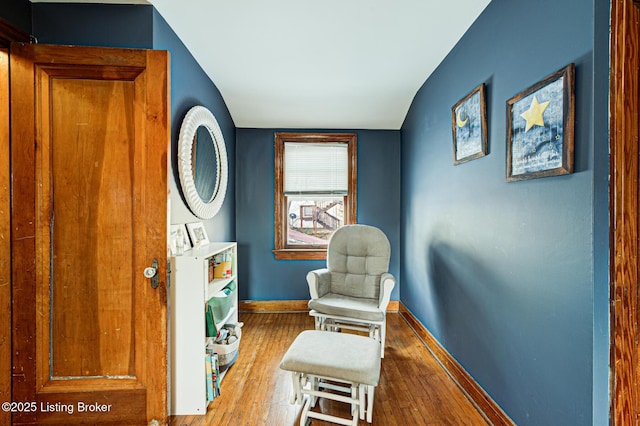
x: 319, y: 359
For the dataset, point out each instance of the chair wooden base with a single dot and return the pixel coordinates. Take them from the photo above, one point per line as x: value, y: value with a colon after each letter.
x: 376, y: 329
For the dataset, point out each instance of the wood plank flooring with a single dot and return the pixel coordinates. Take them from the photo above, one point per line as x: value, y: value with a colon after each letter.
x: 414, y: 390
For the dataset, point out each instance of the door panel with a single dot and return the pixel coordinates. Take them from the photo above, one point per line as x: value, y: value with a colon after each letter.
x: 93, y: 202
x: 89, y: 161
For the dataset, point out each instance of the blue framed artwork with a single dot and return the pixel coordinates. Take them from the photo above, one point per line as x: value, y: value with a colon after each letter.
x: 540, y: 128
x: 469, y: 124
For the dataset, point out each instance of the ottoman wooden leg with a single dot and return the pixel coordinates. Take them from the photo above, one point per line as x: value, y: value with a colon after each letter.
x: 361, y: 392
x: 304, y: 416
x: 314, y: 387
x: 370, y: 392
x: 296, y: 394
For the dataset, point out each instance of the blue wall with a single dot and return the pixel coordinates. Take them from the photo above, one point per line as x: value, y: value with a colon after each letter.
x: 191, y: 86
x: 264, y: 278
x: 504, y: 274
x: 140, y: 26
x: 93, y: 24
x: 18, y: 13
x: 600, y: 162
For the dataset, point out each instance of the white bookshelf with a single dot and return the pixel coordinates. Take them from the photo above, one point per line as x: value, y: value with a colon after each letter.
x: 190, y: 290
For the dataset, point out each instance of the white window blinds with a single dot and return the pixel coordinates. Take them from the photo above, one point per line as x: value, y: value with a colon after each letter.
x: 315, y: 168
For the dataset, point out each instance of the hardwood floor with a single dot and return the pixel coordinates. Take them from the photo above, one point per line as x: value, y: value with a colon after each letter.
x: 413, y: 390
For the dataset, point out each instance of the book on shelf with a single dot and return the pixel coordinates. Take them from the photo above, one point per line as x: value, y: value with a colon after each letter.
x: 211, y: 268
x: 223, y: 264
x: 208, y: 363
x: 214, y: 376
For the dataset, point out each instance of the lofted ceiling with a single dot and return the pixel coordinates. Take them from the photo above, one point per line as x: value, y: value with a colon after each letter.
x: 332, y: 64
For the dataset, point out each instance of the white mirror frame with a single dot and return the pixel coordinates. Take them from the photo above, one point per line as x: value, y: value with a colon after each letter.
x: 196, y: 117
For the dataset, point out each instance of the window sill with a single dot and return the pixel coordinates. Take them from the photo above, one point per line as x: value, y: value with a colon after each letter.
x: 300, y: 254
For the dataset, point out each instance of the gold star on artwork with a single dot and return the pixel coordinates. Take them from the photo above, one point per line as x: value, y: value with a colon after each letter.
x: 534, y: 114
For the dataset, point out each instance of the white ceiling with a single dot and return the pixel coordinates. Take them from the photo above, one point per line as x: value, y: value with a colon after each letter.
x: 335, y: 64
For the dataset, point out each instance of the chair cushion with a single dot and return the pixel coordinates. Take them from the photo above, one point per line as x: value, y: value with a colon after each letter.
x: 346, y: 306
x: 342, y: 356
x: 357, y: 255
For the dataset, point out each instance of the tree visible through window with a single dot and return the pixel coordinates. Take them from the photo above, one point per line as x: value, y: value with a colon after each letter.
x: 315, y: 191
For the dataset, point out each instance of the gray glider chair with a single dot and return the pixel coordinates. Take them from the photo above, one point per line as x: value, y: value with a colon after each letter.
x: 353, y: 291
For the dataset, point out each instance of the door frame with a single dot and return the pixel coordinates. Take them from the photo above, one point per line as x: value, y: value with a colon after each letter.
x: 8, y: 34
x: 624, y: 211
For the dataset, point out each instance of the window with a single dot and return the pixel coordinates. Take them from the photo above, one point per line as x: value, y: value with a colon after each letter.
x: 315, y: 191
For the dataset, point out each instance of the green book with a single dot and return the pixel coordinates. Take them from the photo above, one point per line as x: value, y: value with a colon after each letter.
x: 210, y: 325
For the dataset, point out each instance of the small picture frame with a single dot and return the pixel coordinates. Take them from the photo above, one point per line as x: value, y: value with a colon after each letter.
x: 469, y: 125
x: 198, y: 234
x: 540, y: 128
x: 178, y: 232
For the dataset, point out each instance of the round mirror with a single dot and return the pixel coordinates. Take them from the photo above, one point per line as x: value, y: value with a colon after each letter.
x: 202, y: 158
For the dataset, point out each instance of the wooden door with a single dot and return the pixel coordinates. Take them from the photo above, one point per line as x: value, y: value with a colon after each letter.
x: 5, y: 240
x: 625, y: 211
x: 89, y: 143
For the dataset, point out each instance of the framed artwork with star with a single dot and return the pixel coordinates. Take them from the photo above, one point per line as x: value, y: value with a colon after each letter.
x: 540, y: 128
x: 469, y: 124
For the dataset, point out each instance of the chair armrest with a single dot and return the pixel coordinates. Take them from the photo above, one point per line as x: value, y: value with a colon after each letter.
x: 319, y: 281
x: 387, y: 282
